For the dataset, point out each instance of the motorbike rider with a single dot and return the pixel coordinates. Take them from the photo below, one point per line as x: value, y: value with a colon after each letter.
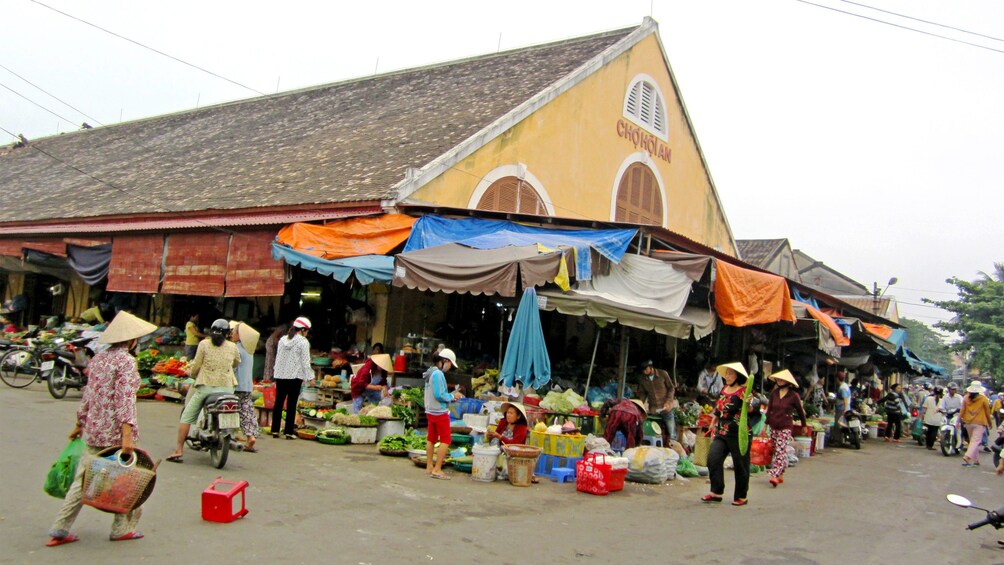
x: 951, y: 402
x: 213, y: 370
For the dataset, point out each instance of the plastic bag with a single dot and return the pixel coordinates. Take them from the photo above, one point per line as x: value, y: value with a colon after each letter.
x: 652, y: 465
x: 685, y: 468
x: 60, y: 477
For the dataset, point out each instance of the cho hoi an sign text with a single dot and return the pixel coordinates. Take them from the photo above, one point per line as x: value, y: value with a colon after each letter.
x: 643, y: 140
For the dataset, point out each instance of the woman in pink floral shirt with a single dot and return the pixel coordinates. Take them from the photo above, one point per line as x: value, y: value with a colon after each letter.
x: 106, y: 418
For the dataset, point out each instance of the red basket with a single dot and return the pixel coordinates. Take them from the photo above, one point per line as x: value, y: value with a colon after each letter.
x: 593, y: 476
x: 617, y: 477
x: 530, y: 401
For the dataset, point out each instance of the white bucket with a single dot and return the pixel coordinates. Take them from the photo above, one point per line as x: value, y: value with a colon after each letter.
x: 803, y: 446
x: 389, y: 428
x: 483, y: 465
x: 820, y: 440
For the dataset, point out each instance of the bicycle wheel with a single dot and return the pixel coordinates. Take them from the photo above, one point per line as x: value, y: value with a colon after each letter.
x: 19, y: 368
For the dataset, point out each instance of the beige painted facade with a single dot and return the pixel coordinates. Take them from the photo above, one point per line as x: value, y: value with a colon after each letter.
x: 575, y: 149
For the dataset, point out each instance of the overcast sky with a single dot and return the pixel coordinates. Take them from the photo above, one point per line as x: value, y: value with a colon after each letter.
x: 873, y: 148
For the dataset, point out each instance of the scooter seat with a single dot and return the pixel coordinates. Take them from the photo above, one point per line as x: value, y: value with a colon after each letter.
x: 215, y: 397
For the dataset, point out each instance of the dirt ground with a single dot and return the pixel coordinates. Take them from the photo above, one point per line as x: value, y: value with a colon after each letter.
x: 310, y: 502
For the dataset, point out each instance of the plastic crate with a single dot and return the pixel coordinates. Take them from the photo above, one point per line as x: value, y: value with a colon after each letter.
x: 564, y: 445
x: 547, y: 463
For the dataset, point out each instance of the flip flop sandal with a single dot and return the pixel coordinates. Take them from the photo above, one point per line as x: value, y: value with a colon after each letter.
x: 711, y: 498
x: 63, y: 540
x: 250, y: 450
x: 127, y: 537
x: 439, y: 476
x: 740, y: 502
x: 175, y: 459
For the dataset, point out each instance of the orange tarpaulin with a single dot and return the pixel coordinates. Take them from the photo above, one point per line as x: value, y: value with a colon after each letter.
x: 373, y: 235
x: 879, y: 330
x: 838, y: 336
x: 744, y: 297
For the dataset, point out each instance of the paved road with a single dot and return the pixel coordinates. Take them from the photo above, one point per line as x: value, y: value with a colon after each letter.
x: 311, y: 503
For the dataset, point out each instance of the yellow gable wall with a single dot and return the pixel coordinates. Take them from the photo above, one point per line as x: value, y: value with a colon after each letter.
x: 573, y: 154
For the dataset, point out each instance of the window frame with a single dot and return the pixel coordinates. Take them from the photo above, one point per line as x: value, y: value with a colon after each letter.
x: 659, y: 105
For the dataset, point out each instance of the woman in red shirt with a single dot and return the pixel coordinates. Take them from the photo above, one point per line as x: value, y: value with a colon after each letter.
x: 512, y: 428
x: 783, y: 404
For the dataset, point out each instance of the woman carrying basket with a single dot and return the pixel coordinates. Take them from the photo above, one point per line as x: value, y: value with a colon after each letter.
x: 106, y: 418
x: 783, y: 404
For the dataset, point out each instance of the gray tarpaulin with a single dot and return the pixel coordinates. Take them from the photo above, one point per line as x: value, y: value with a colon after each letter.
x: 91, y: 263
x: 700, y: 321
x: 456, y: 268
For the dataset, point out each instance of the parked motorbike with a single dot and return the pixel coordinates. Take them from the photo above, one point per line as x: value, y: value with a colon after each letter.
x: 214, y: 430
x: 851, y: 427
x: 994, y: 518
x: 64, y: 364
x: 950, y: 436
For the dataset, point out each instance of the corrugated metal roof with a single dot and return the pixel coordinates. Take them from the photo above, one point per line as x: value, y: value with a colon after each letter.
x: 190, y: 222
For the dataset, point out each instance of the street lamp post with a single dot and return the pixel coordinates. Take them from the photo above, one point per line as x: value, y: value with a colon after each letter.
x: 876, y: 294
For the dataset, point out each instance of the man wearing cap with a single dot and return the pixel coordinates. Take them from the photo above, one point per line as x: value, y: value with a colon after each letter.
x: 657, y: 390
x: 246, y: 339
x: 370, y: 382
x: 106, y: 418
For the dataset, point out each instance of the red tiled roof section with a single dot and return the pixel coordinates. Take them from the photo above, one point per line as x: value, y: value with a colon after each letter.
x: 344, y: 142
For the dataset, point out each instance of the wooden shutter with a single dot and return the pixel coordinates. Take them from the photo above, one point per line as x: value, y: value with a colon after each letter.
x: 510, y: 194
x: 638, y: 197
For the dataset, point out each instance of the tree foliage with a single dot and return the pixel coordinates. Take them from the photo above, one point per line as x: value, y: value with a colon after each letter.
x: 927, y: 343
x: 979, y: 320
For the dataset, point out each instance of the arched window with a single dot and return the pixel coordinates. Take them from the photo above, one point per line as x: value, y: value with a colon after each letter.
x: 511, y: 194
x: 638, y: 197
x: 645, y: 106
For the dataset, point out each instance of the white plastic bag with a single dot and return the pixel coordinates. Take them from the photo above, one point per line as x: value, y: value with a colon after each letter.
x: 652, y: 465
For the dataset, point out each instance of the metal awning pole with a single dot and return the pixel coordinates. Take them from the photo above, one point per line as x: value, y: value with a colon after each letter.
x: 622, y: 366
x: 592, y: 361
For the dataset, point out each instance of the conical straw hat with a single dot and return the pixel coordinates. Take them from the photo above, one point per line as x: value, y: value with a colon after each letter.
x: 383, y: 361
x: 248, y: 335
x: 785, y: 376
x: 125, y: 327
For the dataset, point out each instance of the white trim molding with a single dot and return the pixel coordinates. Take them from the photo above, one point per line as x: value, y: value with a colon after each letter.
x: 518, y: 170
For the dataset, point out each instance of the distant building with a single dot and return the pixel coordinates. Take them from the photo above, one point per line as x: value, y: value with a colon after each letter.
x: 772, y: 255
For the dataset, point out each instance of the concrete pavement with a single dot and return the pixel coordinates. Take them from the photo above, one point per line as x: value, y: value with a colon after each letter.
x: 310, y: 502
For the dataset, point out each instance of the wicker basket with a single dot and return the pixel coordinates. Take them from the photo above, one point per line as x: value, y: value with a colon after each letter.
x: 521, y: 450
x: 111, y: 486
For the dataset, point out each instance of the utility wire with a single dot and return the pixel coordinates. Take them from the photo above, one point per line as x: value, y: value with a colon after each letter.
x: 65, y: 103
x: 908, y: 28
x: 37, y: 104
x: 923, y: 21
x: 157, y: 51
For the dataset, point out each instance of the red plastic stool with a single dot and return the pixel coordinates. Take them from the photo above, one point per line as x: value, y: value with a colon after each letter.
x: 217, y: 505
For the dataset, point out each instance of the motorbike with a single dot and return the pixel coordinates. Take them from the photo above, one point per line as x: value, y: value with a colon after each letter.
x: 851, y: 428
x: 994, y: 518
x: 215, y: 429
x: 949, y: 435
x: 64, y: 364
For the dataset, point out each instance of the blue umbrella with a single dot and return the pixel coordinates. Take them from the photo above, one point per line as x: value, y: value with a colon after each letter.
x: 526, y: 357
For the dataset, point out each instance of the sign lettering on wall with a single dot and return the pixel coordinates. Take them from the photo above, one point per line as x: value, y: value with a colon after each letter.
x: 642, y: 139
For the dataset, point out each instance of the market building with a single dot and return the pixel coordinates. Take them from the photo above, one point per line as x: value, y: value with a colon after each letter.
x: 309, y: 202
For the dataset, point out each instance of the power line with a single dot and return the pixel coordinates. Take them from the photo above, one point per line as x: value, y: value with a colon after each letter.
x: 65, y: 103
x: 908, y: 28
x: 37, y: 104
x: 923, y: 21
x: 157, y: 51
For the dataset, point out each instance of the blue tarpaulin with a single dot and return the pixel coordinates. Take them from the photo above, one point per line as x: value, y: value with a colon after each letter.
x: 922, y: 366
x: 526, y: 357
x: 431, y: 230
x: 367, y: 268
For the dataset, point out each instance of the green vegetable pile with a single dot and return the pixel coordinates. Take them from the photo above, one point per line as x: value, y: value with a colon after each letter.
x: 407, y: 414
x: 402, y: 443
x: 367, y: 421
x: 415, y: 395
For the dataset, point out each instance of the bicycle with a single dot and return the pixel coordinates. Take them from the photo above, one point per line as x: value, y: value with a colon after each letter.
x: 21, y: 366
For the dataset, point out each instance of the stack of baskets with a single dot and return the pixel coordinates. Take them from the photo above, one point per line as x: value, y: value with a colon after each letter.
x: 521, y: 460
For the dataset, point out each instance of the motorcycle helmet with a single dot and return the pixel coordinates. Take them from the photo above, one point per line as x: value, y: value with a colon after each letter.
x: 218, y: 331
x: 302, y: 323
